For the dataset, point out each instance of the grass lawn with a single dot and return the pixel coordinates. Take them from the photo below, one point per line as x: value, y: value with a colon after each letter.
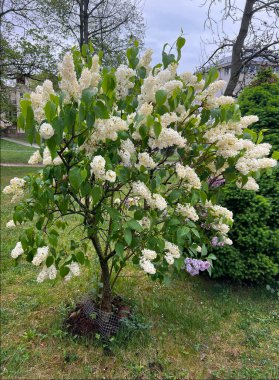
x: 199, y: 329
x: 15, y: 153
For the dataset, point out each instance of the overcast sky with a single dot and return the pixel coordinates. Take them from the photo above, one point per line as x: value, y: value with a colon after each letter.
x: 164, y: 20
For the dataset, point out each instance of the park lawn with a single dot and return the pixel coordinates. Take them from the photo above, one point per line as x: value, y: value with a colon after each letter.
x: 199, y: 329
x: 15, y: 153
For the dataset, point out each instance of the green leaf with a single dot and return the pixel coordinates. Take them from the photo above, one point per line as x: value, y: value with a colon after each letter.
x: 143, y: 131
x: 212, y: 75
x: 167, y: 59
x: 24, y: 104
x: 101, y: 110
x: 132, y: 55
x: 212, y: 257
x: 134, y: 225
x: 50, y: 111
x: 90, y: 119
x: 180, y: 42
x: 123, y: 173
x: 174, y: 195
x: 49, y: 261
x: 87, y: 95
x: 161, y: 97
x: 64, y: 271
x: 76, y: 177
x: 96, y: 194
x: 58, y: 126
x: 70, y: 118
x: 119, y: 248
x: 80, y: 257
x: 30, y: 125
x: 195, y: 232
x: 108, y: 83
x: 128, y: 236
x: 21, y: 121
x: 157, y: 129
x: 53, y: 239
x: 84, y: 50
x: 275, y: 155
x: 204, y: 250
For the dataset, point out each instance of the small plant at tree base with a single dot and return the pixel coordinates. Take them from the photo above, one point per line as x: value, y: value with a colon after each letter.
x: 137, y: 153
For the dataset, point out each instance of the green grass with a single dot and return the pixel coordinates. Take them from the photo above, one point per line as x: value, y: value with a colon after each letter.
x: 15, y: 153
x: 200, y: 329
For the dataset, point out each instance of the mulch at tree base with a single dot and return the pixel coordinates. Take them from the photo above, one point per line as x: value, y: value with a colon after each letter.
x: 80, y: 323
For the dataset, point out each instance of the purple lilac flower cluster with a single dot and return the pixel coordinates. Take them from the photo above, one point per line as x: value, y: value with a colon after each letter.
x: 193, y: 266
x: 216, y: 243
x: 216, y: 182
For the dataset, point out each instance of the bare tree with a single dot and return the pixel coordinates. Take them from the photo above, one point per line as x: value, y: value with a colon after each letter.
x: 257, y: 36
x: 109, y: 24
x: 18, y: 14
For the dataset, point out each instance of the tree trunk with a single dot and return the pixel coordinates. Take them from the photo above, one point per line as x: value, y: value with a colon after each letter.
x: 86, y: 17
x: 106, y: 291
x: 236, y: 64
x: 83, y: 22
x: 105, y: 279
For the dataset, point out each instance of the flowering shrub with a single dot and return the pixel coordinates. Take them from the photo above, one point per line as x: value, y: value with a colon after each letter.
x: 137, y: 153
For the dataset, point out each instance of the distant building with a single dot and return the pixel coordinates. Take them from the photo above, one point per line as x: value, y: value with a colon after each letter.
x: 15, y: 93
x: 248, y: 73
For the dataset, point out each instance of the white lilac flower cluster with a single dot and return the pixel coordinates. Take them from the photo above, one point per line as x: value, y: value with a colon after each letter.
x: 220, y: 242
x: 145, y: 261
x: 228, y: 144
x: 155, y: 201
x: 123, y: 77
x: 16, y: 188
x: 46, y: 159
x: 98, y: 169
x: 46, y: 131
x: 131, y: 201
x: 251, y: 184
x: 17, y: 251
x: 90, y: 77
x: 145, y: 60
x: 10, y: 224
x: 145, y: 222
x: 127, y: 149
x: 106, y: 129
x: 39, y: 98
x: 41, y: 255
x: 162, y: 80
x: 69, y: 83
x: 208, y: 96
x: 146, y: 160
x: 172, y: 252
x: 189, y: 175
x: 167, y: 138
x: 187, y: 211
x: 74, y: 271
x: 35, y: 159
x: 223, y: 219
x: 47, y: 273
x: 254, y: 158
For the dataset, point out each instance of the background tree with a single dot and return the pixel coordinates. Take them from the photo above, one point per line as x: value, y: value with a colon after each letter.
x: 254, y: 255
x: 257, y: 36
x: 111, y: 25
